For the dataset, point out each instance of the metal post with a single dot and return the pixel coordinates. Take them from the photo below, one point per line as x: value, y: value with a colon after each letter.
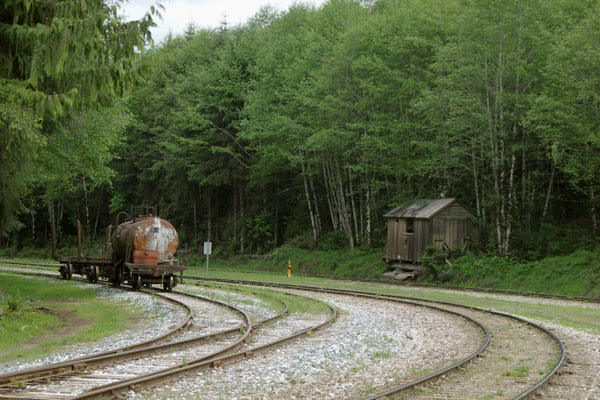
x: 207, y: 251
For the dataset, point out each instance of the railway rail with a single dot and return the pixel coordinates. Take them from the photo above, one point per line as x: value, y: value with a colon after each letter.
x: 483, y: 373
x: 393, y: 283
x: 79, y: 371
x: 495, y: 320
x: 80, y: 364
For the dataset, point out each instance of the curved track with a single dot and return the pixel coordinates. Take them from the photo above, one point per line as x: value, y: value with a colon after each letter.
x: 393, y: 283
x: 77, y: 375
x: 76, y: 378
x: 516, y: 342
x: 521, y: 337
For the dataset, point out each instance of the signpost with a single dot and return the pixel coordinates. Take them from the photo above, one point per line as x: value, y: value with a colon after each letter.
x: 207, y: 251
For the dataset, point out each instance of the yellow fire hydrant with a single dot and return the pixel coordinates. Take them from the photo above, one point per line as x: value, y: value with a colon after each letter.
x: 289, y: 273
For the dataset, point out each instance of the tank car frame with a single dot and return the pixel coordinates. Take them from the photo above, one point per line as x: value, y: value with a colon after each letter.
x: 121, y: 266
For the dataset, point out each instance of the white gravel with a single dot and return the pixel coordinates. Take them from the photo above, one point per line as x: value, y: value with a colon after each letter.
x: 165, y: 316
x: 498, y: 296
x: 255, y: 307
x: 372, y: 344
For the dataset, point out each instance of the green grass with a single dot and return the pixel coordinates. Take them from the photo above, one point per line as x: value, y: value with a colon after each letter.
x: 520, y: 371
x: 296, y: 304
x: 586, y: 319
x: 355, y: 263
x: 39, y: 304
x: 576, y: 274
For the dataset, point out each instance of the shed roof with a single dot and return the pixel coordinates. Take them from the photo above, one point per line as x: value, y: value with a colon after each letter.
x: 424, y: 208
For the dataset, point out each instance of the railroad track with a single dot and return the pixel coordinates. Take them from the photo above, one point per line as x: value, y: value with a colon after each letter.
x: 392, y: 283
x: 522, y: 355
x: 82, y: 380
x: 511, y: 367
x: 64, y: 379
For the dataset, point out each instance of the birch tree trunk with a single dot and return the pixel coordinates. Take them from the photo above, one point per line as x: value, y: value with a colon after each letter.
x: 313, y: 218
x: 242, y: 218
x: 87, y: 210
x: 368, y: 201
x: 548, y: 193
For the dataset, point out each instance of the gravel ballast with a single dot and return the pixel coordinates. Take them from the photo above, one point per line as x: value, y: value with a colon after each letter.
x: 373, y: 344
x: 164, y: 316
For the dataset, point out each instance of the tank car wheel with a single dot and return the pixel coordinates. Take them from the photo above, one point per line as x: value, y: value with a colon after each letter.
x: 63, y: 272
x: 168, y: 285
x: 118, y: 279
x: 136, y: 282
x: 93, y: 274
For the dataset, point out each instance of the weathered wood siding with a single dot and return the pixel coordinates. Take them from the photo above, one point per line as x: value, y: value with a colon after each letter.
x: 451, y: 231
x: 455, y: 211
x: 395, y: 239
x: 405, y: 246
x: 450, y: 226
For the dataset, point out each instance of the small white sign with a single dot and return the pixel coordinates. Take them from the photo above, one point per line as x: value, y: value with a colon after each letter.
x: 208, y: 248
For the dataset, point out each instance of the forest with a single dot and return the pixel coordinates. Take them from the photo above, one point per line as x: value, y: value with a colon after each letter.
x: 304, y: 126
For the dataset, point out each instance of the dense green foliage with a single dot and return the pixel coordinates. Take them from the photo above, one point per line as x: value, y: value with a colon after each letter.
x: 62, y: 65
x: 340, y: 264
x: 305, y: 126
x: 577, y: 274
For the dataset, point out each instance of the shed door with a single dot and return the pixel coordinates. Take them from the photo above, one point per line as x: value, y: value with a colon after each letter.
x: 409, y: 240
x: 438, y: 232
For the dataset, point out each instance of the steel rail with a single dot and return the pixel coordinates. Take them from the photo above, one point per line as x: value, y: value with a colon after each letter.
x: 210, y: 361
x: 229, y: 347
x: 531, y: 389
x: 353, y: 292
x: 250, y: 328
x: 75, y: 364
x: 123, y: 353
x: 484, y: 345
x: 396, y: 283
x: 440, y: 287
x: 32, y: 264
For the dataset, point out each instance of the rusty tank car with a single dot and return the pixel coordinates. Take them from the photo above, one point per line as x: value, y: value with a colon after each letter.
x: 142, y: 253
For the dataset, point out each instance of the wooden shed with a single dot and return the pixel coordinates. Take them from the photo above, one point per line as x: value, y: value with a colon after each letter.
x: 411, y: 227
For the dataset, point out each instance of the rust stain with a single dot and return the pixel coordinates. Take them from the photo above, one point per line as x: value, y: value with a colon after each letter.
x: 150, y: 234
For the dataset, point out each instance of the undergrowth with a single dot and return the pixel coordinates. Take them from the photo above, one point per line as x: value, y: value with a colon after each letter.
x: 355, y: 263
x: 576, y: 274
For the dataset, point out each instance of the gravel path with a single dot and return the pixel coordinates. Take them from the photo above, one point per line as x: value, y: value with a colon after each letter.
x: 372, y: 344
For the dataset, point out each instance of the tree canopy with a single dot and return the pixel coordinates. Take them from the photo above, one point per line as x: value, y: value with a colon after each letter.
x: 59, y: 59
x: 305, y: 126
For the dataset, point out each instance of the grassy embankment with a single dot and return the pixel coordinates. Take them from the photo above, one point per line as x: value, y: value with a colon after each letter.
x: 38, y: 317
x: 577, y: 274
x: 341, y: 264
